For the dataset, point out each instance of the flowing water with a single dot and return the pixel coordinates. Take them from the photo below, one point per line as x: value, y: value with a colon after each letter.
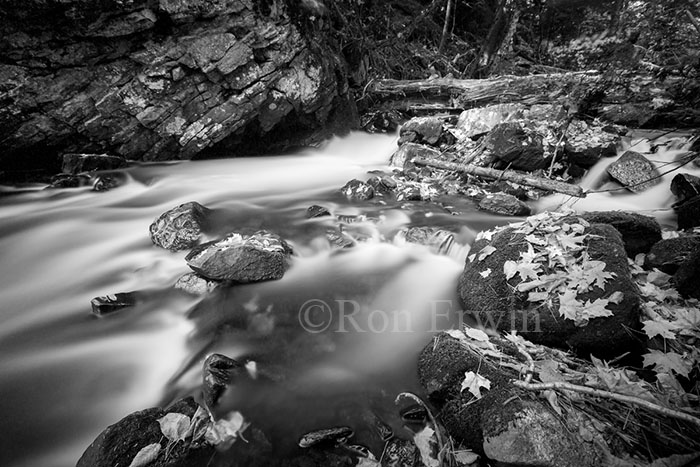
x: 66, y: 374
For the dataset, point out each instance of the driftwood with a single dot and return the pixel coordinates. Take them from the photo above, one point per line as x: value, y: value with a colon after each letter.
x: 523, y: 179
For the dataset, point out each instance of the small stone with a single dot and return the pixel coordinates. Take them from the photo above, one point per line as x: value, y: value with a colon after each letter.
x: 687, y: 277
x: 356, y: 190
x: 108, y: 182
x: 689, y: 214
x: 180, y: 227
x: 69, y: 181
x: 634, y: 171
x: 77, y: 163
x: 108, y: 304
x: 339, y: 239
x: 218, y: 374
x: 438, y: 240
x: 194, y: 284
x: 504, y: 204
x: 421, y: 130
x: 317, y: 211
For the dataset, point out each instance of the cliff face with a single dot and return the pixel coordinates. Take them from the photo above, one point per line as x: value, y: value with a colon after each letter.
x: 163, y: 79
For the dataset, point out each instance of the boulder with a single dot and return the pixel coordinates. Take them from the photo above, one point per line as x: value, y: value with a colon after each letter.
x: 689, y: 214
x: 119, y: 444
x: 504, y: 204
x: 475, y: 122
x: 669, y: 254
x: 179, y: 228
x: 108, y: 304
x: 634, y: 171
x: 517, y: 145
x: 408, y: 151
x: 357, y: 190
x: 687, y: 277
x: 69, y: 181
x: 685, y: 187
x: 77, y: 163
x: 194, y: 284
x: 639, y: 233
x: 505, y: 283
x: 383, y: 186
x: 587, y: 143
x: 426, y: 130
x: 242, y: 258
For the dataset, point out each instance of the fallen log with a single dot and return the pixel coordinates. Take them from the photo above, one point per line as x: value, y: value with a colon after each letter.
x: 510, y: 176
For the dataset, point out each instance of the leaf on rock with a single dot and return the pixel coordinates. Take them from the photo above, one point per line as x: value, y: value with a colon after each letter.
x: 465, y: 457
x: 456, y: 333
x: 485, y: 252
x: 175, y: 426
x: 474, y: 382
x: 537, y: 296
x: 486, y: 273
x: 510, y: 268
x: 146, y: 455
x: 224, y: 432
x: 667, y: 362
x: 476, y: 334
x: 660, y: 327
x: 616, y: 297
x: 426, y: 442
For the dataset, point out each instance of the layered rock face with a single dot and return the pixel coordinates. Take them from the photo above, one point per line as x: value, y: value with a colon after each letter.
x: 164, y: 79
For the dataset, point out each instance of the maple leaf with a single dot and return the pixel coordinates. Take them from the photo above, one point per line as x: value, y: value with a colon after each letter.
x: 660, y: 327
x: 569, y: 307
x: 474, y: 382
x: 528, y: 270
x: 485, y: 252
x: 667, y: 362
x: 597, y: 309
x: 571, y: 241
x: 536, y: 240
x: 530, y: 255
x: 510, y: 268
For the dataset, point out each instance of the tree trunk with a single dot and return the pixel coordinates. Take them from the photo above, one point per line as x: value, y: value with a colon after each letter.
x: 446, y: 27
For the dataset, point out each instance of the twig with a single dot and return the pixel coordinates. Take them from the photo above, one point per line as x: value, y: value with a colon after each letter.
x: 561, y: 386
x: 693, y: 20
x: 530, y: 362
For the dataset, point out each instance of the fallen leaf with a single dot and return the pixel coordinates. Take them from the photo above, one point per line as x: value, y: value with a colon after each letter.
x: 175, y: 426
x: 485, y: 252
x: 476, y: 334
x: 426, y: 443
x: 660, y: 327
x: 667, y: 362
x: 510, y: 268
x: 146, y: 455
x: 224, y: 432
x: 486, y: 273
x: 474, y: 382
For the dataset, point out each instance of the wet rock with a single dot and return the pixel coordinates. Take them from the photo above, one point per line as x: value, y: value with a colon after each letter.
x: 587, y: 143
x: 194, y: 284
x: 316, y: 211
x: 409, y: 192
x: 179, y: 228
x: 69, y: 181
x: 242, y: 258
x: 474, y: 122
x: 515, y: 144
x: 685, y: 187
x: 339, y: 239
x: 492, y: 299
x: 634, y: 171
x: 631, y: 115
x: 408, y: 151
x: 401, y: 453
x: 383, y: 186
x: 108, y: 181
x: 504, y: 204
x: 108, y: 304
x: 118, y: 444
x: 426, y: 130
x: 687, y: 277
x: 218, y: 374
x: 639, y: 233
x: 356, y: 190
x: 689, y: 214
x: 668, y: 254
x: 77, y: 163
x: 330, y: 436
x: 438, y: 240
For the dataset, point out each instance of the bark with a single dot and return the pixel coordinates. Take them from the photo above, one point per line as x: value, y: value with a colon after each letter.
x: 523, y: 179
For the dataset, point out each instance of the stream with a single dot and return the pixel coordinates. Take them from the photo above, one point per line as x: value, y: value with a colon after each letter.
x: 66, y: 374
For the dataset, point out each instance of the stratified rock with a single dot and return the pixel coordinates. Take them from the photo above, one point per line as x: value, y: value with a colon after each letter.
x: 357, y: 190
x: 108, y: 304
x: 687, y: 277
x: 515, y: 144
x: 118, y: 444
x: 316, y: 211
x: 242, y: 258
x: 474, y: 122
x: 194, y: 284
x: 408, y: 151
x: 689, y: 214
x: 587, y: 143
x: 218, y: 374
x: 180, y: 227
x: 639, y: 233
x: 685, y: 186
x: 426, y: 130
x: 77, y: 163
x: 669, y: 254
x: 504, y: 204
x: 634, y: 171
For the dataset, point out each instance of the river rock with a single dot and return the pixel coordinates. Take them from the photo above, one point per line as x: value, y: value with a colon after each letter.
x: 169, y: 79
x: 108, y: 304
x: 408, y: 151
x: 669, y: 254
x: 684, y: 187
x: 639, y: 232
x: 108, y: 181
x: 474, y: 122
x: 504, y: 204
x: 194, y: 284
x: 689, y: 214
x: 69, y: 181
x: 634, y: 171
x: 315, y: 211
x: 426, y: 130
x: 587, y: 143
x: 118, y: 444
x: 494, y: 301
x: 179, y: 228
x: 242, y: 258
x: 438, y: 240
x: 517, y: 145
x: 383, y: 186
x: 687, y: 277
x: 218, y: 374
x: 77, y: 163
x: 357, y: 190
